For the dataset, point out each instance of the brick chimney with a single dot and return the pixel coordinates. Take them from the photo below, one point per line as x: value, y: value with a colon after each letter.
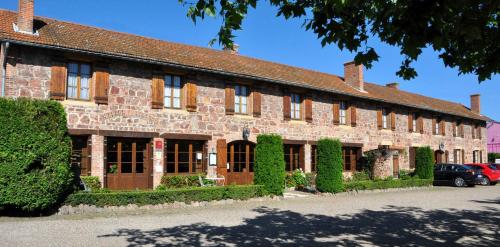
x: 475, y: 103
x: 353, y: 75
x: 25, y: 16
x: 394, y: 85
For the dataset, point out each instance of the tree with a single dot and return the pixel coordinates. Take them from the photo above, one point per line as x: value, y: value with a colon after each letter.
x: 329, y: 176
x: 463, y: 32
x: 269, y: 167
x: 424, y: 164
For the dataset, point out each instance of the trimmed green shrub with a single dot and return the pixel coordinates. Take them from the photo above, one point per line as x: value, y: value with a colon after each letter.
x: 424, y: 163
x: 360, y: 176
x: 269, y: 168
x: 329, y: 176
x: 35, y: 155
x: 386, y: 184
x: 187, y: 195
x: 181, y: 181
x: 92, y: 182
x: 492, y: 157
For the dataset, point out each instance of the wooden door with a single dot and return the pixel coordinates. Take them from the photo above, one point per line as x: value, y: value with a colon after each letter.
x: 240, y: 156
x: 395, y: 166
x: 438, y: 157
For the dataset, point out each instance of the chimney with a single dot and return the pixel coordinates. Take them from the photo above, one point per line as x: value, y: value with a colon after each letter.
x: 475, y: 103
x: 25, y: 16
x: 394, y: 85
x: 353, y: 75
x: 235, y: 49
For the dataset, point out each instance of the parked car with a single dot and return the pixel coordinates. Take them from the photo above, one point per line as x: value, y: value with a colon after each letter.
x: 491, y: 175
x: 457, y: 175
x: 496, y: 165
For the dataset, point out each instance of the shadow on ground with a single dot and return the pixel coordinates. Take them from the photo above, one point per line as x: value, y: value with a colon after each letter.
x: 392, y: 226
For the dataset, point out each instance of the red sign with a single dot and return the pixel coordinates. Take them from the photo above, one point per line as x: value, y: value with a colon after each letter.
x: 159, y: 145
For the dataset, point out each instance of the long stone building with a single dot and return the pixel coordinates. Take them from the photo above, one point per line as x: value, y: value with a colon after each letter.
x: 140, y: 108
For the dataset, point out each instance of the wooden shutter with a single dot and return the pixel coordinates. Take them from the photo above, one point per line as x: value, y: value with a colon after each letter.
x: 410, y: 122
x: 229, y: 97
x: 353, y: 115
x: 479, y: 132
x: 192, y: 92
x: 379, y: 119
x: 442, y: 125
x: 308, y: 109
x: 393, y: 120
x: 158, y: 87
x: 58, y: 77
x: 434, y: 126
x: 101, y: 84
x: 454, y: 129
x: 421, y: 124
x: 222, y: 157
x: 473, y: 131
x: 286, y: 107
x: 257, y: 99
x: 336, y: 112
x: 462, y: 132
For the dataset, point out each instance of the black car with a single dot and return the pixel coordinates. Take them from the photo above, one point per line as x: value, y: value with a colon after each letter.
x: 457, y: 175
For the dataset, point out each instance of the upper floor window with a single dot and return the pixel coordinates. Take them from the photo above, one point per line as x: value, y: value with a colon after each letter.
x: 79, y: 78
x: 436, y: 126
x: 414, y: 122
x: 241, y: 99
x: 295, y: 112
x: 172, y: 91
x: 385, y: 119
x: 343, y: 112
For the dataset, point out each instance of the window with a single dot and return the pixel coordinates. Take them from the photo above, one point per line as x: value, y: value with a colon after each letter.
x: 342, y: 112
x: 172, y: 91
x: 477, y: 156
x: 385, y: 119
x: 457, y: 156
x: 457, y: 131
x: 293, y: 157
x: 295, y: 106
x: 414, y: 122
x: 436, y: 126
x: 349, y: 156
x: 240, y: 156
x: 80, y: 155
x: 126, y: 156
x: 184, y: 156
x: 241, y: 99
x: 79, y: 77
x: 477, y: 129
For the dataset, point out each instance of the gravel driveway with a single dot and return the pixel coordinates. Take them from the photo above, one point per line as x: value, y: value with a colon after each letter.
x: 439, y: 216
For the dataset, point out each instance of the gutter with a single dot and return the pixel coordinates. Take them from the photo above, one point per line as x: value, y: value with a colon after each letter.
x: 219, y: 72
x: 4, y: 46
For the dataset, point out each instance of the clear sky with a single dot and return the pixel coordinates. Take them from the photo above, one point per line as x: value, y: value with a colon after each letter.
x: 268, y: 37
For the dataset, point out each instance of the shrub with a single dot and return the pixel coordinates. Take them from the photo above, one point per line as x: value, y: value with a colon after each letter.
x: 181, y: 181
x: 289, y: 182
x: 329, y: 172
x: 360, y: 176
x: 424, y: 164
x: 310, y: 179
x: 405, y: 174
x: 92, y: 182
x: 493, y: 156
x: 35, y: 154
x: 186, y: 195
x: 269, y: 168
x: 299, y: 177
x: 386, y: 184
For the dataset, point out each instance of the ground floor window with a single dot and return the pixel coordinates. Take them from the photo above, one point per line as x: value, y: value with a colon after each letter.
x: 126, y: 156
x: 458, y: 156
x: 184, y: 156
x: 350, y: 158
x: 240, y: 156
x: 294, y: 157
x: 477, y: 156
x: 80, y: 155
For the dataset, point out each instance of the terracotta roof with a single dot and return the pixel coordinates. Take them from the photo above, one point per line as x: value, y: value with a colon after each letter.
x: 64, y: 35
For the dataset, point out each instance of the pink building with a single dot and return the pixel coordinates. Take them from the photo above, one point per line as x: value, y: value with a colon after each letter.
x: 493, y: 134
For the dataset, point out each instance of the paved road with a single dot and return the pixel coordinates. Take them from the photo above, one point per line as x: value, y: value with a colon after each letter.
x: 441, y: 216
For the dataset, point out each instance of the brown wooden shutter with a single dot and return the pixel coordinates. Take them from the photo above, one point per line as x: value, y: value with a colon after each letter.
x: 336, y: 112
x: 421, y: 124
x: 257, y: 99
x: 442, y: 124
x: 434, y: 126
x: 410, y: 122
x: 473, y: 131
x: 157, y: 91
x: 286, y: 107
x: 101, y: 83
x: 462, y: 132
x: 58, y: 80
x: 393, y: 120
x: 229, y: 97
x: 308, y: 109
x: 222, y: 157
x: 353, y: 115
x: 379, y: 119
x: 479, y: 136
x: 191, y: 94
x: 454, y: 129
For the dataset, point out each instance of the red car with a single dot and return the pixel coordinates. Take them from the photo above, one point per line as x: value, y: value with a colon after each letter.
x: 491, y: 175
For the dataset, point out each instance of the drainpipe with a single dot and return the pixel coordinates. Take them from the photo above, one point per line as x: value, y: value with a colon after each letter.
x: 4, y: 49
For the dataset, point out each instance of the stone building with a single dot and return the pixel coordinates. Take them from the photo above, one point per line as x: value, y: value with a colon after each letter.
x: 141, y: 108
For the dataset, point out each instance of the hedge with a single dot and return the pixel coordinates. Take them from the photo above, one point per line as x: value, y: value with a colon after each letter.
x: 329, y: 176
x: 424, y: 163
x: 187, y: 195
x: 386, y: 184
x: 181, y: 181
x: 269, y: 168
x: 92, y: 182
x: 35, y: 152
x: 493, y: 156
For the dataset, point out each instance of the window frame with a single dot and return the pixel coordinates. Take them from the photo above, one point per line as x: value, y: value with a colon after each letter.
x: 437, y: 126
x: 238, y: 107
x: 414, y: 122
x: 172, y: 88
x: 343, y: 112
x: 296, y: 106
x: 192, y: 162
x: 79, y: 80
x: 385, y: 118
x: 246, y: 157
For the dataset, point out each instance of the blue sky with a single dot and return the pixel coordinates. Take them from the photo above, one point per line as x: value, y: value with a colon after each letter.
x: 268, y: 37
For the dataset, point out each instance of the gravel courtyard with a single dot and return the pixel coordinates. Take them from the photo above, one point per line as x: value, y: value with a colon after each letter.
x: 439, y: 216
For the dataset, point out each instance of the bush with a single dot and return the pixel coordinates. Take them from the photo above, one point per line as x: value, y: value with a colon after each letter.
x: 181, y: 181
x: 405, y: 174
x: 35, y: 155
x: 92, y: 182
x: 269, y: 168
x: 360, y: 176
x: 186, y: 195
x: 329, y: 176
x: 386, y: 184
x: 493, y: 156
x: 424, y: 164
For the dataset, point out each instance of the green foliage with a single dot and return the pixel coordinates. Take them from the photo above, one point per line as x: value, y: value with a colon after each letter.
x: 492, y: 157
x: 34, y: 155
x: 464, y: 33
x: 405, y: 174
x: 424, y: 163
x: 297, y: 179
x: 360, y: 176
x: 181, y: 181
x: 92, y: 182
x: 269, y: 168
x: 386, y: 184
x: 186, y: 195
x: 329, y: 176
